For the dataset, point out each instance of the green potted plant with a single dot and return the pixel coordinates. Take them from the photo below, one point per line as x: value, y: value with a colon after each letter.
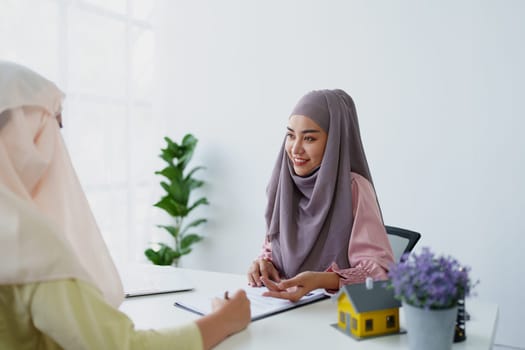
x: 178, y: 186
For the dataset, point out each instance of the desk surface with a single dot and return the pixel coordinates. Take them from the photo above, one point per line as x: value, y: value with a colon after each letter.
x: 306, y: 327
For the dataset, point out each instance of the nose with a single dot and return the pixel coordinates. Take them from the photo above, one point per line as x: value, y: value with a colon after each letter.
x: 297, y: 147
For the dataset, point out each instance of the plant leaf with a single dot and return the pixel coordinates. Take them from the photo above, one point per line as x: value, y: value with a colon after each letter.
x: 193, y: 183
x: 180, y: 193
x: 167, y: 156
x: 173, y: 148
x: 167, y: 254
x: 189, y: 239
x: 193, y: 224
x: 185, y: 251
x: 192, y: 171
x: 171, y: 207
x: 173, y: 231
x: 166, y: 204
x: 166, y: 187
x: 152, y: 256
x: 172, y: 173
x: 198, y: 202
x: 189, y: 142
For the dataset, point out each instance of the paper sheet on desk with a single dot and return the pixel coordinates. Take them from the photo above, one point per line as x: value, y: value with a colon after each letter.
x: 261, y: 306
x: 147, y: 279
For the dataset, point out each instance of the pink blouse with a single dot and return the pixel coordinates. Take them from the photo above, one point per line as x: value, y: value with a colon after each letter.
x: 369, y: 251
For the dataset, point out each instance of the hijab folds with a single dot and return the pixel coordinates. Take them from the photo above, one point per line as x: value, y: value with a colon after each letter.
x: 309, y: 219
x: 47, y: 230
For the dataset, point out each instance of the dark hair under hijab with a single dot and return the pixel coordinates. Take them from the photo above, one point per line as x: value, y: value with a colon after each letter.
x: 309, y: 219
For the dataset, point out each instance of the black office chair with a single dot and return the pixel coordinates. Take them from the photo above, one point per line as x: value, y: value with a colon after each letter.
x: 401, y: 240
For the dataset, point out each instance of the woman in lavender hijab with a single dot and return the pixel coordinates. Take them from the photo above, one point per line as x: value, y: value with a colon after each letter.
x: 324, y: 224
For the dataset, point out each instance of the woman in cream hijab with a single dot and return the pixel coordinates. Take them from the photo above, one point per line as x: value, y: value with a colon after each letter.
x: 58, y: 285
x: 324, y: 225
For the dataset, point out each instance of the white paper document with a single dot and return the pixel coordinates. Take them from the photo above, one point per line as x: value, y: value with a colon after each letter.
x: 261, y: 306
x: 147, y: 279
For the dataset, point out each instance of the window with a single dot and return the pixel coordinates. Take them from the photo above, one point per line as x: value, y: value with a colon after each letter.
x: 101, y: 54
x: 342, y: 317
x: 390, y: 321
x: 354, y: 323
x: 369, y: 325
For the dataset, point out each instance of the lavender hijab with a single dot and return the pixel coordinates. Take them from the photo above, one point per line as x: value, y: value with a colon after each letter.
x: 309, y: 219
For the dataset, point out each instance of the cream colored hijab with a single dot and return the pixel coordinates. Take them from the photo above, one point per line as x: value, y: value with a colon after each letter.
x: 47, y: 230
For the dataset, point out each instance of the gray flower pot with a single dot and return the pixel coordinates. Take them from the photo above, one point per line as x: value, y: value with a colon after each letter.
x: 429, y: 329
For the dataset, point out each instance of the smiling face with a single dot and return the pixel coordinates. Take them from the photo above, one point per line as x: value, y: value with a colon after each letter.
x: 305, y: 144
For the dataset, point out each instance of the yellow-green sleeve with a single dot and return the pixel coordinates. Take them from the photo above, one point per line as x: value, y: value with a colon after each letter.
x: 75, y: 316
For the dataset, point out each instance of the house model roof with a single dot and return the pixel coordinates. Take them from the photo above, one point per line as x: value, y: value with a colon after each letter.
x: 364, y: 300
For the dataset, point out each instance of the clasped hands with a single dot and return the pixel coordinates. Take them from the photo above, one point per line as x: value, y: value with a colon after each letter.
x: 263, y: 272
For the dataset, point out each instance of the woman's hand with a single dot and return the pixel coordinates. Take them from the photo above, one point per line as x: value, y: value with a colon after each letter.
x: 295, y: 288
x: 236, y: 310
x: 229, y: 316
x: 262, y: 268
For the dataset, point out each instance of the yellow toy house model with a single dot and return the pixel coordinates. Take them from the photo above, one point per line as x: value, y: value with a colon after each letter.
x: 367, y: 309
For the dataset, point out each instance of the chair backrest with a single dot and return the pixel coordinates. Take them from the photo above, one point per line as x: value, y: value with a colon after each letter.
x: 401, y: 240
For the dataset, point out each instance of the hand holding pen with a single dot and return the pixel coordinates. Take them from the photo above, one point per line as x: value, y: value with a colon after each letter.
x: 230, y: 315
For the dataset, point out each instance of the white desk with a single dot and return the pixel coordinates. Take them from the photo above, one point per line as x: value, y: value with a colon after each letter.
x: 307, y: 327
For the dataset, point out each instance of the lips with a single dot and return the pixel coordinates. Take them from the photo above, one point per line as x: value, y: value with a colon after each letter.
x: 299, y: 161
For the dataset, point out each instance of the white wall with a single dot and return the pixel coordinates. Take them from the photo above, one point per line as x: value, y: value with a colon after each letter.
x: 439, y: 89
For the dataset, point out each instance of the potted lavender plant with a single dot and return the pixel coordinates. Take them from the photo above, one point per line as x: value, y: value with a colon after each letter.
x: 430, y: 288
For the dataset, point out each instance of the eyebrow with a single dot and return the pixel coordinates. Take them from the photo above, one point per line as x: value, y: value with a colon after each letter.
x: 307, y: 131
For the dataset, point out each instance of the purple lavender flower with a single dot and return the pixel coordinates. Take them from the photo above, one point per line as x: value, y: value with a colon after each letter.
x: 428, y: 281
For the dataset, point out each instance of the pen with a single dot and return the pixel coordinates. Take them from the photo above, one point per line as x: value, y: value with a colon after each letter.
x: 226, y: 297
